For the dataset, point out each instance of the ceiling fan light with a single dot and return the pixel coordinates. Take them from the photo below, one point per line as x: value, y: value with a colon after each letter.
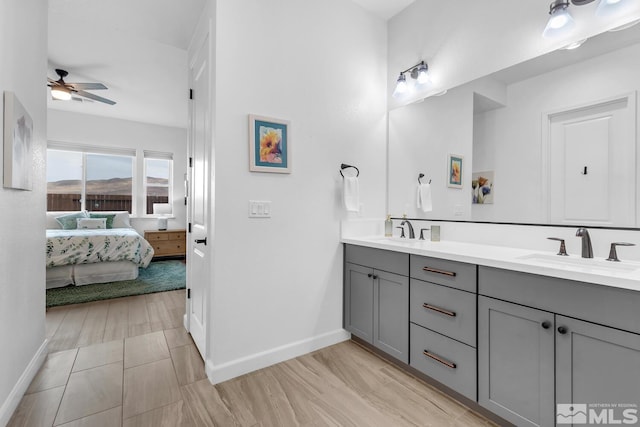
x: 61, y: 93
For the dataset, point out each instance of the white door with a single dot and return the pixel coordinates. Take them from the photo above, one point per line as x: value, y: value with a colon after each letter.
x: 592, y: 164
x: 198, y: 242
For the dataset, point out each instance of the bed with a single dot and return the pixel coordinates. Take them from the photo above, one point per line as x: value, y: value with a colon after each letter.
x: 84, y: 256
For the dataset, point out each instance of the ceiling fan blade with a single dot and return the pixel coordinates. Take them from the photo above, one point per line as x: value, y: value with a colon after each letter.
x: 87, y: 86
x: 94, y: 97
x: 50, y: 80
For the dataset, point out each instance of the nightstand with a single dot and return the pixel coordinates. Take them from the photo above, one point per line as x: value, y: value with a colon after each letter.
x: 167, y: 243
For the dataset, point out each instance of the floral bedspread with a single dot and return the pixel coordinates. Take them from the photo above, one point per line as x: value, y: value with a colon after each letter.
x: 90, y: 246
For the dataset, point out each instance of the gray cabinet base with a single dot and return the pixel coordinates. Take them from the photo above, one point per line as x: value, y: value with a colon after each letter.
x: 434, y: 383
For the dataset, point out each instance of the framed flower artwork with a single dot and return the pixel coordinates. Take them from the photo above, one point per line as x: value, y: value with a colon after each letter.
x: 455, y: 171
x: 269, y: 145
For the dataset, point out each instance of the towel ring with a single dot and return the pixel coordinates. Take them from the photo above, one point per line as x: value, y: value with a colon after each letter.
x: 422, y: 176
x: 345, y: 166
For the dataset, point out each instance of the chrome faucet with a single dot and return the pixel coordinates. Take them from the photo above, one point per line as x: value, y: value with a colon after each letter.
x: 587, y: 250
x: 412, y: 234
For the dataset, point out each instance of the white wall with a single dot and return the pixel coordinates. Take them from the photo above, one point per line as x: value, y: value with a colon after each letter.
x: 513, y: 134
x: 109, y: 132
x: 463, y: 40
x: 277, y: 283
x: 23, y: 69
x: 421, y: 136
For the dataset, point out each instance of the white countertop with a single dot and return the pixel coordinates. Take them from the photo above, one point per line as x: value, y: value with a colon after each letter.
x: 624, y: 275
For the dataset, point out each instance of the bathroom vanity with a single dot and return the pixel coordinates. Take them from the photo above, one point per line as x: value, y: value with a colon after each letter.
x: 515, y: 332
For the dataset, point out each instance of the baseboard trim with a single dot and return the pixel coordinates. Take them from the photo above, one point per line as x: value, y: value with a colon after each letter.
x: 13, y: 400
x: 235, y: 368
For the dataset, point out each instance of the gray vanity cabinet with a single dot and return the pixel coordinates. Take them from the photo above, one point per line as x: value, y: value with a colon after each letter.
x: 376, y: 299
x: 577, y: 341
x: 596, y: 364
x: 516, y: 362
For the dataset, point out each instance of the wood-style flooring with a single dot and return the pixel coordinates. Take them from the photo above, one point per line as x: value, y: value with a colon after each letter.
x: 128, y: 362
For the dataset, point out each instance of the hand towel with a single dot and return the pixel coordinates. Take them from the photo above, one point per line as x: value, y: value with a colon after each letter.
x: 351, y: 194
x: 424, y: 197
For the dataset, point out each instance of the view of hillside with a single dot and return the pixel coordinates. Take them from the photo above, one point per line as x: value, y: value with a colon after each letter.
x: 119, y: 186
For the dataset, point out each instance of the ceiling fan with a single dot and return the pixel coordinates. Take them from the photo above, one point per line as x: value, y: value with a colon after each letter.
x: 64, y: 91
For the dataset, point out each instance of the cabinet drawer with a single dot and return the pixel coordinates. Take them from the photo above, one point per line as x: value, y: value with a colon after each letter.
x: 152, y: 237
x: 179, y: 235
x: 448, y: 361
x: 169, y: 247
x: 393, y: 262
x: 449, y: 273
x: 606, y: 305
x: 448, y: 311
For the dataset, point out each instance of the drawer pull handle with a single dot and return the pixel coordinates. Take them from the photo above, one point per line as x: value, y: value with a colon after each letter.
x: 439, y: 310
x: 439, y: 359
x: 435, y: 270
x: 198, y: 241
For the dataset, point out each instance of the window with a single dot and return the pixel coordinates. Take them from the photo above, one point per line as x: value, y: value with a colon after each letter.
x: 89, y: 178
x: 158, y: 170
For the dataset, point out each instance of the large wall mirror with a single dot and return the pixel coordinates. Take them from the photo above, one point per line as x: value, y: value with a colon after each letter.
x: 549, y: 141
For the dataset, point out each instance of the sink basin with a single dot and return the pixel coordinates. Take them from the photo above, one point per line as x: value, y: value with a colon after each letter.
x: 590, y: 265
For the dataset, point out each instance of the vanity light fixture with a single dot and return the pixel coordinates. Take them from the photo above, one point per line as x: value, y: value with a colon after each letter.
x: 561, y: 22
x: 60, y: 92
x: 418, y: 72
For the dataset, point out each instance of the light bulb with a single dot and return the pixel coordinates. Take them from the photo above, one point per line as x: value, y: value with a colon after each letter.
x: 423, y: 74
x: 610, y: 7
x: 560, y: 22
x: 401, y: 86
x: 61, y: 93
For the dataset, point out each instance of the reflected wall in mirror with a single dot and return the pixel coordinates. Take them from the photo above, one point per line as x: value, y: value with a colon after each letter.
x: 560, y: 132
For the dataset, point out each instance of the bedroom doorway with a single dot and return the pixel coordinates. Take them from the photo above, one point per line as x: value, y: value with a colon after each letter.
x: 198, y: 248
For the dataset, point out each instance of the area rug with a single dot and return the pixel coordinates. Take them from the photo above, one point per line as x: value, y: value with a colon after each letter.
x: 159, y: 276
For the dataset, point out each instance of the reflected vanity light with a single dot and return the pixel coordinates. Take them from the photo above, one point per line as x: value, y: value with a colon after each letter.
x: 418, y: 72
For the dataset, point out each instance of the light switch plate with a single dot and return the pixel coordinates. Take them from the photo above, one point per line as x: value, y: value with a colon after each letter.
x: 259, y: 208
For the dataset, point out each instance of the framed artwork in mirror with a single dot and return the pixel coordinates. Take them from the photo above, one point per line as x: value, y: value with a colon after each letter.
x: 482, y: 187
x: 455, y: 170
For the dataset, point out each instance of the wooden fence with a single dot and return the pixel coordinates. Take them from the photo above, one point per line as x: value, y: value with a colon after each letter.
x: 98, y: 202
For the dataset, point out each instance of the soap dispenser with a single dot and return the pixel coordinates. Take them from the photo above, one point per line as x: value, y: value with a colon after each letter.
x: 388, y: 227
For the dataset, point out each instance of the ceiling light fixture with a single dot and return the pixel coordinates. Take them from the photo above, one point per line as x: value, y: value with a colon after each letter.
x: 574, y: 45
x: 61, y: 92
x: 418, y: 72
x: 561, y: 22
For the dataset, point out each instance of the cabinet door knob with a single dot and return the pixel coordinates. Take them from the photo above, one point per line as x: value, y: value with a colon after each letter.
x: 546, y: 325
x: 375, y: 276
x: 369, y: 275
x: 562, y: 330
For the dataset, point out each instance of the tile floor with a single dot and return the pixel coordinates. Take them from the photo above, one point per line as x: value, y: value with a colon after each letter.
x: 127, y: 362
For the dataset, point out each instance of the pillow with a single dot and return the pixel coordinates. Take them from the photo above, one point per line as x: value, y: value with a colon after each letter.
x: 91, y: 223
x: 68, y: 222
x: 121, y: 220
x: 108, y: 217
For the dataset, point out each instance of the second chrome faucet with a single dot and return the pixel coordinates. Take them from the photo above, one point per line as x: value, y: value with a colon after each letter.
x: 587, y: 250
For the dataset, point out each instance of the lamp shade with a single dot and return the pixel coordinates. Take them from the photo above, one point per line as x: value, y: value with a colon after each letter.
x: 61, y: 93
x: 610, y: 7
x: 560, y: 22
x: 162, y: 208
x: 423, y: 74
x: 401, y: 86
